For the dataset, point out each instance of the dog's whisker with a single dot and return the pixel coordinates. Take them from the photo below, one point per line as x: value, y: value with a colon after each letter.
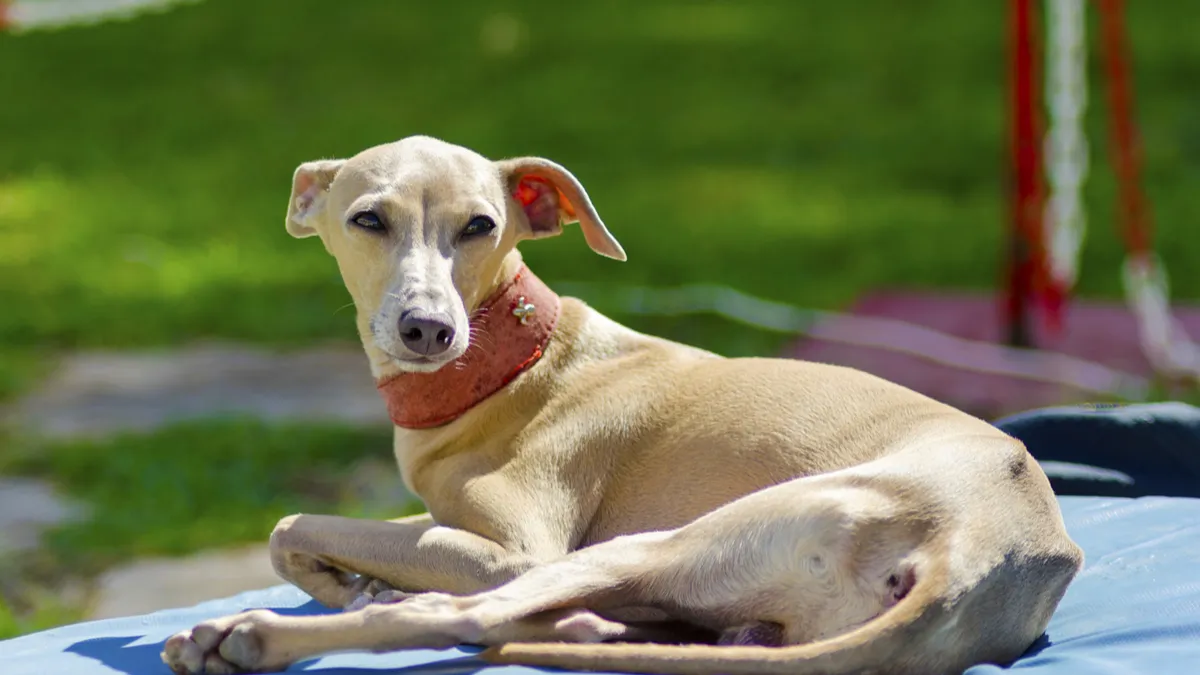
x: 474, y: 333
x: 481, y: 341
x: 479, y: 334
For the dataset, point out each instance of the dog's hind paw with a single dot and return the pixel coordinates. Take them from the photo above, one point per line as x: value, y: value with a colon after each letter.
x: 376, y: 593
x: 758, y: 633
x: 584, y: 626
x: 223, y: 646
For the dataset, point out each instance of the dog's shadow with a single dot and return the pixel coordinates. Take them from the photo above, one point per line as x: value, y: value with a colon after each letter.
x: 118, y: 654
x: 1039, y: 645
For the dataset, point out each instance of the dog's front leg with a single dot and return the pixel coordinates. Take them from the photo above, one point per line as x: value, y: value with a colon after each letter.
x: 550, y: 602
x: 322, y: 554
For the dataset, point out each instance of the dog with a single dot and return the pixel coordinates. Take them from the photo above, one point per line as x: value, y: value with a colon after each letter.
x: 587, y: 484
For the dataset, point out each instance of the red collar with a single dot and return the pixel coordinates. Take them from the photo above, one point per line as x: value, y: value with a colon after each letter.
x: 513, y: 328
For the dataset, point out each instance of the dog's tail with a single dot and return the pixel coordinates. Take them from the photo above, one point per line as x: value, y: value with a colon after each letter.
x: 898, y: 641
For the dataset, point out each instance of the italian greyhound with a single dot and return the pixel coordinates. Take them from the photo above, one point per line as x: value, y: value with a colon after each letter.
x: 601, y: 499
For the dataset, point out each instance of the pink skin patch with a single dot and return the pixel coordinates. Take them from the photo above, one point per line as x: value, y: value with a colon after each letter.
x: 543, y: 203
x: 529, y: 188
x: 899, y: 585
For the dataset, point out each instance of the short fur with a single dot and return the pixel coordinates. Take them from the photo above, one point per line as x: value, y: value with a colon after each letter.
x: 848, y: 523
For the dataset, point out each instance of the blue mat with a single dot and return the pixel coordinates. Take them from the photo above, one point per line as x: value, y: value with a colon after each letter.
x: 1134, y: 609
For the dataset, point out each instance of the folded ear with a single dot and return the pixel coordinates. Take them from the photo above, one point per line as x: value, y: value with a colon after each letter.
x: 550, y: 197
x: 310, y: 185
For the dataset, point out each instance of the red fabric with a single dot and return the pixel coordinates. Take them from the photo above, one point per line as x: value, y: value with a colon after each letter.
x: 1135, y: 219
x: 501, y: 349
x: 5, y: 19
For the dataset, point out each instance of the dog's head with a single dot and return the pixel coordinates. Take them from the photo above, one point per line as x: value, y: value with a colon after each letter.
x: 421, y: 229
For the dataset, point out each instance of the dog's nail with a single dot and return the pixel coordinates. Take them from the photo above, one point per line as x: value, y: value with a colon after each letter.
x: 358, y: 603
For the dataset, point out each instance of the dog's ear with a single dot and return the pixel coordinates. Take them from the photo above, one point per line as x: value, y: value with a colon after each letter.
x: 310, y: 184
x: 551, y: 197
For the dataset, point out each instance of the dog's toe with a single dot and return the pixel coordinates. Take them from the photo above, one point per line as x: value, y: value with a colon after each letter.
x: 758, y: 633
x: 377, y: 586
x: 224, y: 646
x: 587, y: 627
x: 182, y: 655
x: 207, y: 636
x: 215, y: 665
x: 243, y: 646
x: 391, y: 597
x: 360, y: 601
x: 386, y: 596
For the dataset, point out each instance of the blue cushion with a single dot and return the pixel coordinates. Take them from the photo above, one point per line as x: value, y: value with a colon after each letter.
x: 1135, y: 608
x: 1140, y: 450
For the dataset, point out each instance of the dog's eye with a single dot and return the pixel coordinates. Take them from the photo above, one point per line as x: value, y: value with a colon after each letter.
x: 478, y: 225
x: 368, y: 221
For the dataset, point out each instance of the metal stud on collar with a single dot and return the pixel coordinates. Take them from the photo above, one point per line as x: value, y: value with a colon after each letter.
x: 524, y: 310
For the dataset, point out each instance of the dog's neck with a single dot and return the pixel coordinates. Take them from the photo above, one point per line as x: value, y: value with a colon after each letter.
x: 509, y: 333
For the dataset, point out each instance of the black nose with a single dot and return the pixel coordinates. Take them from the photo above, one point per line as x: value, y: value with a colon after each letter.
x: 426, y: 333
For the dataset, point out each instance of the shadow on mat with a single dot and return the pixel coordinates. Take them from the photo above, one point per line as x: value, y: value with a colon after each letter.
x: 118, y: 654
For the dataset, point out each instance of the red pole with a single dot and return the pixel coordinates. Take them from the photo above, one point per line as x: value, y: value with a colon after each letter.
x: 4, y: 17
x: 1135, y: 218
x: 1026, y: 256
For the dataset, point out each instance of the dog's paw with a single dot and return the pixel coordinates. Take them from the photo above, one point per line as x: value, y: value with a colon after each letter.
x: 225, y: 646
x: 375, y: 592
x: 584, y: 626
x: 758, y: 633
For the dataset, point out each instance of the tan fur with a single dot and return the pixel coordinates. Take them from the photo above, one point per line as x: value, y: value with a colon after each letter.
x: 626, y: 477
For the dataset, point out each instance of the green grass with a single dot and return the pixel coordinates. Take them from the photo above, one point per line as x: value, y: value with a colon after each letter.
x: 801, y: 151
x: 19, y: 368
x: 195, y: 485
x: 188, y: 487
x: 43, y: 610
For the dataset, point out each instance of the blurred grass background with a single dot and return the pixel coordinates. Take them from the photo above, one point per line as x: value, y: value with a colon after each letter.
x: 800, y: 151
